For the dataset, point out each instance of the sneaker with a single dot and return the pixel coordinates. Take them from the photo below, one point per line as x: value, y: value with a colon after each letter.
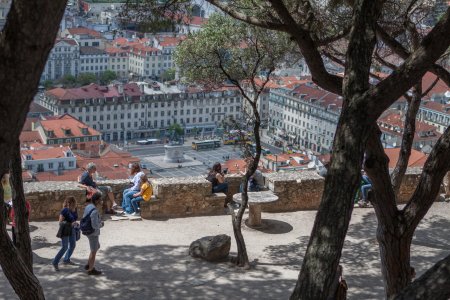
x: 69, y: 262
x: 94, y: 272
x: 55, y: 267
x: 110, y: 212
x: 136, y: 214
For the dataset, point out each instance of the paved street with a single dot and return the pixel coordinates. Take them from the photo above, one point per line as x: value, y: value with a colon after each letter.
x: 207, y: 158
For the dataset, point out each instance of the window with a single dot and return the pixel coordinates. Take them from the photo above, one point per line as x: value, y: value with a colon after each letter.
x: 71, y: 164
x: 61, y: 165
x: 50, y: 166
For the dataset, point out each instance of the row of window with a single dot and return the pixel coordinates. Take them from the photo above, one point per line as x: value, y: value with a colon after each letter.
x: 40, y: 167
x: 155, y: 123
x: 92, y: 60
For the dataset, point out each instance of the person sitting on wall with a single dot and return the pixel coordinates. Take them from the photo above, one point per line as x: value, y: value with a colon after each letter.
x: 87, y: 181
x: 366, y: 186
x: 256, y: 181
x: 217, y: 177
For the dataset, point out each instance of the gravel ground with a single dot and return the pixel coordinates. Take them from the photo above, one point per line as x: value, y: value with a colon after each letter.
x: 148, y: 259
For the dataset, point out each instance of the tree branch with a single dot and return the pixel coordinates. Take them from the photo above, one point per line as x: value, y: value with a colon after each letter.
x: 246, y: 18
x: 414, y: 67
x: 407, y: 138
x: 309, y: 50
x: 436, y: 166
x: 404, y: 54
x: 377, y: 167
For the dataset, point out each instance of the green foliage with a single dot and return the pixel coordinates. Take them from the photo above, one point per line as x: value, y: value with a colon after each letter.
x: 48, y: 84
x: 86, y: 78
x: 229, y: 50
x: 168, y: 75
x: 176, y: 129
x: 107, y: 76
x: 68, y: 80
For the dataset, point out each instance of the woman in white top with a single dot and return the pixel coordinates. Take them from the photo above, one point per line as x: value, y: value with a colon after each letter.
x: 128, y: 193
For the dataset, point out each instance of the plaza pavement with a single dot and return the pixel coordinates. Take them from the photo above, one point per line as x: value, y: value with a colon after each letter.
x: 148, y: 259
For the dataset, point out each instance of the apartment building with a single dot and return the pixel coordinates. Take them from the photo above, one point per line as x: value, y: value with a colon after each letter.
x: 145, y: 61
x: 67, y: 131
x: 435, y: 114
x: 85, y: 37
x: 144, y: 109
x: 64, y: 59
x: 118, y: 61
x: 304, y: 115
x: 392, y: 129
x: 4, y: 9
x: 46, y: 159
x: 93, y: 60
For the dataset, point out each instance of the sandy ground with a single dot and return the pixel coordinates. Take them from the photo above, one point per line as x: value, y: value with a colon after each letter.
x: 148, y: 259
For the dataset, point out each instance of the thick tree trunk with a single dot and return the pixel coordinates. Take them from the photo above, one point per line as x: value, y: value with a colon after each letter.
x: 395, y: 259
x: 22, y: 279
x: 22, y: 229
x: 26, y: 40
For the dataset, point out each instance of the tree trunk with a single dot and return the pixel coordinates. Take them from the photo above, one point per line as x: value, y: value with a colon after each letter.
x: 22, y: 229
x: 25, y: 42
x: 22, y: 279
x: 395, y: 259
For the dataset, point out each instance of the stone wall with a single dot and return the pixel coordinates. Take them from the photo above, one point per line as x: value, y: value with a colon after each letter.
x: 192, y: 196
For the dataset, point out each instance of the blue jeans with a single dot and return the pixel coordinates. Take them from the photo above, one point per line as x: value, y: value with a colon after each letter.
x: 221, y: 187
x: 126, y: 201
x: 68, y: 244
x: 365, y: 190
x: 135, y: 203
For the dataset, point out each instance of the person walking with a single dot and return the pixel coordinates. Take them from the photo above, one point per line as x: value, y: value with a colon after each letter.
x: 69, y: 216
x: 96, y: 223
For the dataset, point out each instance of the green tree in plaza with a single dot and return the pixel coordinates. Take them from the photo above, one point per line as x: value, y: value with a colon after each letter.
x: 107, y: 76
x: 176, y: 131
x: 86, y: 78
x: 361, y: 29
x: 168, y: 75
x: 230, y: 51
x: 68, y: 80
x: 25, y: 42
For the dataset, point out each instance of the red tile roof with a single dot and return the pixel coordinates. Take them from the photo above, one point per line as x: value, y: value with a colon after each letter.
x: 417, y: 158
x: 28, y: 126
x: 65, y: 122
x: 432, y: 105
x: 84, y: 31
x: 168, y: 41
x: 94, y: 91
x: 67, y: 40
x: 439, y: 88
x: 29, y: 137
x: 47, y: 153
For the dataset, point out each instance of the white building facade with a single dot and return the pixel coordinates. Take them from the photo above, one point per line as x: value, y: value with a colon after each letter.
x: 145, y: 109
x: 305, y: 116
x: 64, y: 59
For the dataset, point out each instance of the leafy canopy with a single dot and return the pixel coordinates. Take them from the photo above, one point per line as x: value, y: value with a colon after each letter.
x: 229, y: 50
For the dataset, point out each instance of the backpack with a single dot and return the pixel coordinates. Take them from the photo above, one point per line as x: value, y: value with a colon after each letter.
x: 86, y: 224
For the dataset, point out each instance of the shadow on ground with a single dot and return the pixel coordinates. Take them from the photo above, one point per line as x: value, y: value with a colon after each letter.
x: 156, y: 272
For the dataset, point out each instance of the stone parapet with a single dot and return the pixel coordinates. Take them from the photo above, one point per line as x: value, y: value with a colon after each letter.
x: 192, y: 196
x: 295, y: 191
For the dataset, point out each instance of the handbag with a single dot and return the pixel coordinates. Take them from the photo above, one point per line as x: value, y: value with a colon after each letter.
x: 65, y: 229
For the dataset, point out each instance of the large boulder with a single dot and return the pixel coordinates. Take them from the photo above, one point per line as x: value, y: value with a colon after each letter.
x: 211, y: 248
